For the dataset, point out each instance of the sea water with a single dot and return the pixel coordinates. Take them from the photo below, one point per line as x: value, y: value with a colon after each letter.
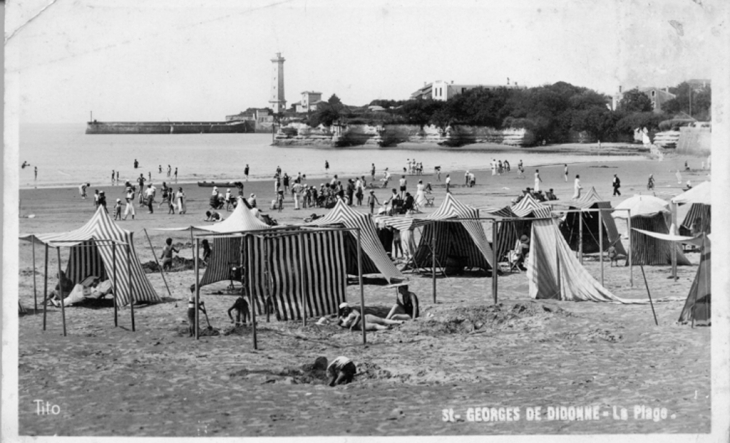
x: 66, y: 156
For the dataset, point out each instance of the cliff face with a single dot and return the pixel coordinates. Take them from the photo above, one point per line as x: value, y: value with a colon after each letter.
x: 391, y: 135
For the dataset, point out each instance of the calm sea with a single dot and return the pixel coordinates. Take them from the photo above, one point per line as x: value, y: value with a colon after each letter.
x: 65, y: 156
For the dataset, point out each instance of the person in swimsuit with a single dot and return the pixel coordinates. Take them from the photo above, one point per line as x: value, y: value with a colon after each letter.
x: 341, y: 371
x: 351, y: 318
x: 167, y: 254
x: 406, y: 307
x: 241, y: 308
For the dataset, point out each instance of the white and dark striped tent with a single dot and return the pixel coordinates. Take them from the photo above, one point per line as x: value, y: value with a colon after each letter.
x: 554, y: 272
x: 374, y: 260
x: 279, y: 268
x: 590, y: 219
x: 649, y: 213
x: 463, y: 244
x: 97, y: 249
x: 692, y: 205
x: 509, y: 232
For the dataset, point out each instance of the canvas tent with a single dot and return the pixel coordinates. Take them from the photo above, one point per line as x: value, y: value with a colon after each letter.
x: 554, y: 272
x: 280, y: 264
x: 694, y: 206
x: 460, y: 243
x: 509, y: 233
x: 651, y: 214
x: 698, y: 305
x: 374, y: 260
x: 97, y: 249
x: 571, y: 229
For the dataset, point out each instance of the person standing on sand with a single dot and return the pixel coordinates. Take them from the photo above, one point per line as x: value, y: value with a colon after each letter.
x: 245, y: 172
x: 538, y: 180
x: 180, y: 197
x: 130, y: 203
x: 175, y: 174
x: 576, y: 188
x: 167, y: 254
x: 136, y: 164
x: 448, y: 183
x: 35, y: 173
x: 112, y: 176
x: 191, y: 311
x: 117, y: 176
x: 169, y: 171
x: 466, y: 178
x: 118, y: 209
x: 326, y: 167
x: 616, y: 185
x: 372, y: 200
x: 159, y: 169
x: 403, y: 184
x: 82, y: 190
x: 565, y: 172
x: 372, y: 172
x: 149, y: 174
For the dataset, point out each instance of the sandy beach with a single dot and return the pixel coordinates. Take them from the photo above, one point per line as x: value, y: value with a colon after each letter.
x: 463, y: 353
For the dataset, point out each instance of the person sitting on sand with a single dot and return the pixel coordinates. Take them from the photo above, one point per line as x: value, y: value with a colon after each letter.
x: 351, y: 318
x: 167, y: 254
x: 64, y: 285
x: 212, y: 216
x: 241, y: 308
x: 406, y: 305
x: 191, y: 311
x: 341, y: 371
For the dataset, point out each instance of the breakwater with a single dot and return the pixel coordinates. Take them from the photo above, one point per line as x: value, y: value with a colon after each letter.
x: 95, y: 127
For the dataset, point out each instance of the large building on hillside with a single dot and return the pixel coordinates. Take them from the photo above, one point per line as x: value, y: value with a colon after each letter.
x: 658, y: 97
x: 309, y: 102
x: 442, y: 90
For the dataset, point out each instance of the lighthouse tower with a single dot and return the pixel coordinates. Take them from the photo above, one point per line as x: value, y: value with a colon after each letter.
x: 278, y: 102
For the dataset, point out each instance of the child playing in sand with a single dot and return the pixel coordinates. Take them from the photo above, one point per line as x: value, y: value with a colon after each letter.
x: 241, y: 308
x: 167, y: 254
x: 118, y: 209
x: 341, y: 371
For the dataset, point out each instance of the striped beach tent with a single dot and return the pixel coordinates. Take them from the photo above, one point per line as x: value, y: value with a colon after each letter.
x: 695, y: 206
x: 649, y: 213
x: 277, y: 270
x: 509, y: 232
x: 456, y: 244
x: 554, y: 272
x: 697, y: 308
x: 93, y: 249
x: 374, y: 260
x: 570, y: 227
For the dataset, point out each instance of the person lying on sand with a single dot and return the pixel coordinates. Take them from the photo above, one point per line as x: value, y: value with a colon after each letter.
x: 341, y: 371
x: 351, y: 318
x: 406, y: 307
x: 64, y: 284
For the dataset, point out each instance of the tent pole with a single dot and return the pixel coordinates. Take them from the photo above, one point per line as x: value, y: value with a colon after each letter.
x: 494, y: 260
x: 580, y: 237
x: 600, y: 241
x: 45, y: 288
x: 649, y: 293
x: 196, y: 251
x: 35, y: 291
x: 674, y: 247
x: 192, y: 241
x: 301, y: 277
x: 249, y: 249
x: 129, y: 284
x: 433, y: 259
x: 362, y: 289
x: 631, y: 251
x: 557, y: 263
x: 154, y: 254
x: 60, y: 290
x: 266, y: 281
x: 114, y: 295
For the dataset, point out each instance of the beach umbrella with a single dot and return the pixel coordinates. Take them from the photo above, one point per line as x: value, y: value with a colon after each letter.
x: 641, y: 205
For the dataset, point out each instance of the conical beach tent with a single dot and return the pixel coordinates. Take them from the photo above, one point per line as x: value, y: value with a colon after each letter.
x: 374, y: 260
x: 571, y: 229
x: 509, y: 233
x: 651, y: 214
x: 694, y: 209
x: 697, y: 307
x: 464, y: 244
x: 554, y: 272
x: 94, y: 248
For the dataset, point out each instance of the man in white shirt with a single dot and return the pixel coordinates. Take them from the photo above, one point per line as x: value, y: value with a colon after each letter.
x: 576, y: 187
x: 538, y: 180
x: 448, y: 182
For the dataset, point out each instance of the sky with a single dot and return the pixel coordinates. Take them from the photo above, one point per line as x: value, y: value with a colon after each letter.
x: 202, y: 60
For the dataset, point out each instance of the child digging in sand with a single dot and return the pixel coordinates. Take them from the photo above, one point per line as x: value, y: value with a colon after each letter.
x: 341, y: 371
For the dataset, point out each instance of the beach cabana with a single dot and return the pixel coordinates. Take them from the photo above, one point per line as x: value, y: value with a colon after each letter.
x: 694, y: 206
x: 581, y: 229
x: 554, y: 272
x: 374, y: 260
x: 281, y: 266
x: 649, y: 213
x: 509, y: 233
x: 102, y: 249
x: 453, y: 232
x: 697, y: 308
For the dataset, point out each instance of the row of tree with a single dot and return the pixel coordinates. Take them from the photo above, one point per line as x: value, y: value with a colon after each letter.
x: 552, y: 112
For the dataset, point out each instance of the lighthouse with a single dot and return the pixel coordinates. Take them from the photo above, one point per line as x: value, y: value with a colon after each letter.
x: 278, y: 101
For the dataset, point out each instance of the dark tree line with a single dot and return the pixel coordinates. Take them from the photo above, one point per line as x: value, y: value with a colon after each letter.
x: 552, y: 112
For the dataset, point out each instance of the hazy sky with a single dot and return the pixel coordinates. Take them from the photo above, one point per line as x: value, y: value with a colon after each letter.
x: 201, y: 60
